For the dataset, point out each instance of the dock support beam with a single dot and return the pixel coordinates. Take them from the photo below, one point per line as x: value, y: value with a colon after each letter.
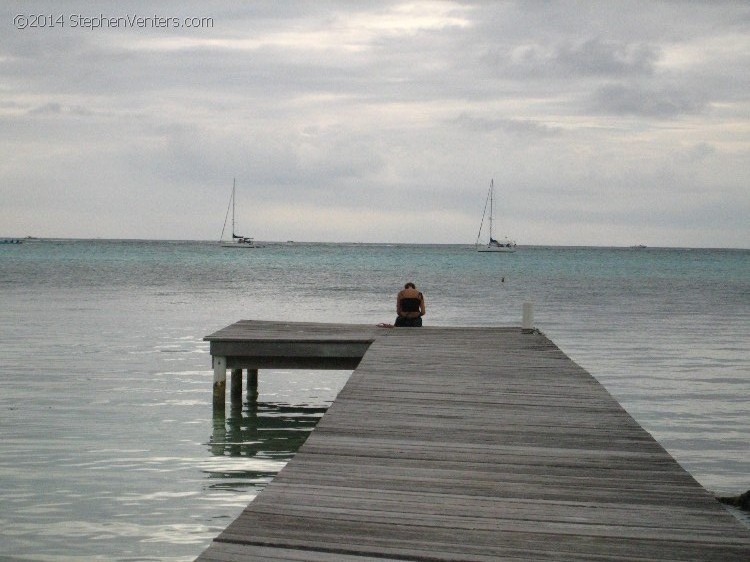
x: 252, y: 385
x: 235, y: 392
x: 235, y: 389
x: 220, y: 383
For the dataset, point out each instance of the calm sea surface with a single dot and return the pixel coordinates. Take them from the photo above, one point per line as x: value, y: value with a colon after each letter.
x: 108, y: 449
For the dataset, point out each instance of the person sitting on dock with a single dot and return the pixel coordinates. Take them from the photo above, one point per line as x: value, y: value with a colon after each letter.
x: 410, y: 307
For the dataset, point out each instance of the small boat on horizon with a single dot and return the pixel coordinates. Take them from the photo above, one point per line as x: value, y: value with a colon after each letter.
x: 237, y: 241
x: 506, y: 245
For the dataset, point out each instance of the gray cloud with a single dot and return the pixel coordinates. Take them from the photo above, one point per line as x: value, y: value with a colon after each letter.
x: 659, y: 102
x: 523, y: 127
x: 589, y: 57
x: 600, y: 57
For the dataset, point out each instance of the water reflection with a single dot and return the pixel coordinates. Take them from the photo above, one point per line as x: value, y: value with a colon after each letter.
x: 263, y: 431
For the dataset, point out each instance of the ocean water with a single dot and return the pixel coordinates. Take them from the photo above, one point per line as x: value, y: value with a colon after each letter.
x: 109, y: 450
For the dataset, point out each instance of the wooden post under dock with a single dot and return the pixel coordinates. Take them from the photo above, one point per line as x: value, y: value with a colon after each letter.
x: 476, y: 444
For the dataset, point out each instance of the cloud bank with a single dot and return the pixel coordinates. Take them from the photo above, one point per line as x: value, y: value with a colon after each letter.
x: 601, y: 123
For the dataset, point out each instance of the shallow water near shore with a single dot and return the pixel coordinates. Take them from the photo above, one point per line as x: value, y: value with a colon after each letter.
x: 109, y: 448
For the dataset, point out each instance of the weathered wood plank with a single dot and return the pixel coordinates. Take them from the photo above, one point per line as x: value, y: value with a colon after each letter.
x: 473, y: 444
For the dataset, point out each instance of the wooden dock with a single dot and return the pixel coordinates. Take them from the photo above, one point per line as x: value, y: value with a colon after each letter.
x: 478, y: 444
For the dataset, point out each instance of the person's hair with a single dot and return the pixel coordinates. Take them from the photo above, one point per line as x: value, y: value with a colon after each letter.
x: 410, y: 285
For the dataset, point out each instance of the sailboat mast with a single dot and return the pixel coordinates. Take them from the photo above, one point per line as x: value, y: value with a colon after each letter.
x: 492, y: 197
x: 234, y: 181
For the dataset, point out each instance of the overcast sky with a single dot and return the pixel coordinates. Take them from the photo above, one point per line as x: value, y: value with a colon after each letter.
x: 602, y: 123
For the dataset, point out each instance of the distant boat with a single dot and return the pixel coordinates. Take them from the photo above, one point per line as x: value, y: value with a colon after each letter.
x: 237, y: 240
x: 505, y: 245
x: 638, y: 247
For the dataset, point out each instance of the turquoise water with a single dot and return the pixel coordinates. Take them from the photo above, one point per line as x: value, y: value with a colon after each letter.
x: 109, y: 449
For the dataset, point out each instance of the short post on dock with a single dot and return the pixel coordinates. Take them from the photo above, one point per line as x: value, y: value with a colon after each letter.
x: 527, y: 323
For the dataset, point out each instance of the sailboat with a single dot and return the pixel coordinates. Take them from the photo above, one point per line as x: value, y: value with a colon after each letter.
x: 237, y: 241
x: 503, y: 246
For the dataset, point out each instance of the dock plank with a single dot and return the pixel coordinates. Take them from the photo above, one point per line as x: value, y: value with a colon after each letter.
x: 473, y: 444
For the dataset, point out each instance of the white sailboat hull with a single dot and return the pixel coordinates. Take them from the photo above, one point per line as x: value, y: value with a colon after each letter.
x: 243, y: 245
x: 497, y: 249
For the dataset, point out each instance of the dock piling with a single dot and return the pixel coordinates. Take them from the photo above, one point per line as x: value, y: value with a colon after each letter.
x: 252, y: 385
x: 220, y: 382
x: 235, y: 391
x: 235, y: 388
